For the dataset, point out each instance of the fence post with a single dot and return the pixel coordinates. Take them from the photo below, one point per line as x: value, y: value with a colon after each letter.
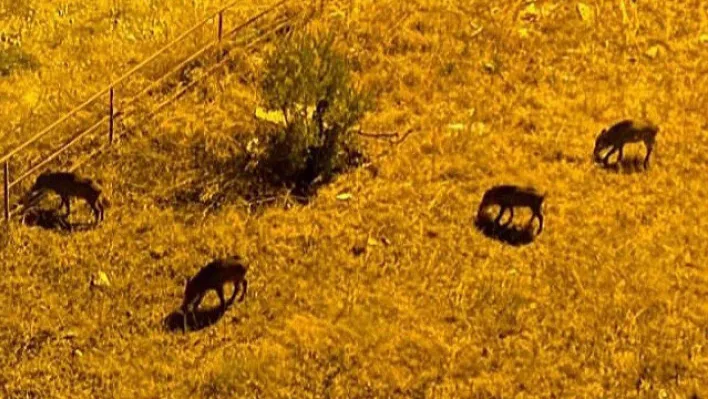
x: 220, y: 28
x: 220, y: 34
x: 6, y: 189
x: 111, y: 116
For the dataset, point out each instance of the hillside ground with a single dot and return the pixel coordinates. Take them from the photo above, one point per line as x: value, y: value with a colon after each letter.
x: 392, y: 292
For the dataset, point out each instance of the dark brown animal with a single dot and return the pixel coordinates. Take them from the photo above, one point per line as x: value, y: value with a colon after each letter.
x: 214, y: 276
x: 68, y: 185
x: 510, y: 196
x: 624, y: 132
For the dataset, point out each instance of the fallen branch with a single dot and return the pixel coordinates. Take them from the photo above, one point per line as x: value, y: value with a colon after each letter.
x: 404, y: 137
x: 378, y: 135
x: 393, y: 138
x: 394, y: 143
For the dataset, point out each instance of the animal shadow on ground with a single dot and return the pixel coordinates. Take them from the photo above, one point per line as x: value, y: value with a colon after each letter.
x: 512, y: 235
x: 628, y: 165
x: 203, y: 318
x: 52, y: 219
x: 49, y: 219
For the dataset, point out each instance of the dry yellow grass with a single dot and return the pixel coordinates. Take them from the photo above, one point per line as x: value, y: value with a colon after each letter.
x: 610, y: 301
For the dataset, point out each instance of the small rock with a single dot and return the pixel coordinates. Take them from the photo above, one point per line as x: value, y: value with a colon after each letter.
x: 275, y: 117
x: 100, y: 280
x: 344, y: 196
x: 687, y: 258
x: 586, y: 12
x: 157, y: 253
x: 479, y: 128
x: 490, y: 67
x: 530, y: 13
x: 652, y: 52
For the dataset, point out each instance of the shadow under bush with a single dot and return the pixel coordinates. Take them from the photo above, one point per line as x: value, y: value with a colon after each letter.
x: 301, y: 136
x: 299, y: 140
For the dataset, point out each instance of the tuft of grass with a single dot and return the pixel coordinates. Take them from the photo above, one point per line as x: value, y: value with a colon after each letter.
x: 13, y: 58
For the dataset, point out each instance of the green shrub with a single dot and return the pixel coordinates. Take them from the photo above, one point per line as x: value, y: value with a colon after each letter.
x: 314, y: 144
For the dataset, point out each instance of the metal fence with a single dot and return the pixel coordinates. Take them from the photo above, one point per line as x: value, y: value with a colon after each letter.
x: 108, y: 99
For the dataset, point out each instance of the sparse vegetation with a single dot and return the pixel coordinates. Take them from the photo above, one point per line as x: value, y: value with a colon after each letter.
x: 380, y: 287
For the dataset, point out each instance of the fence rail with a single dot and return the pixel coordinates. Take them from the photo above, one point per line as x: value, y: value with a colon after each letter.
x: 110, y: 91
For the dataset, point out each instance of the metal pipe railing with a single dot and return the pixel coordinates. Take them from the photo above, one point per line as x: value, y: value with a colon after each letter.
x: 6, y: 189
x: 110, y: 90
x: 130, y: 72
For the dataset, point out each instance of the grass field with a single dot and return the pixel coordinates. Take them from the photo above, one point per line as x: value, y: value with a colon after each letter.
x: 611, y: 300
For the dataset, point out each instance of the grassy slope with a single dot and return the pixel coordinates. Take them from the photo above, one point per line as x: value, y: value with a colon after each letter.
x: 610, y: 301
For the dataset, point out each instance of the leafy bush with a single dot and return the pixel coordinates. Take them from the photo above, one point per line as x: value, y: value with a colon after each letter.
x: 310, y: 83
